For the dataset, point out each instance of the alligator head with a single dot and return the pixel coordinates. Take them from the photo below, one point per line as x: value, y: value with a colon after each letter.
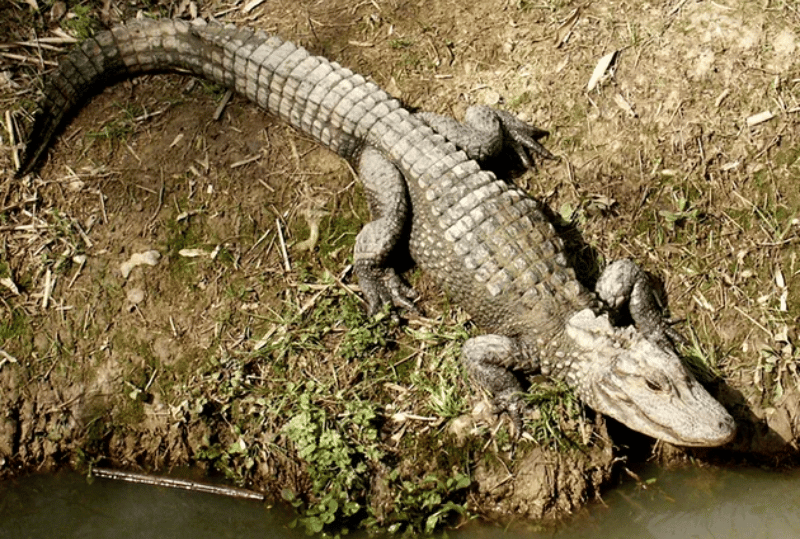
x: 620, y: 373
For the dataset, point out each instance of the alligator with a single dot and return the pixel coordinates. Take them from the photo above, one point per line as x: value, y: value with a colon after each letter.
x: 483, y: 240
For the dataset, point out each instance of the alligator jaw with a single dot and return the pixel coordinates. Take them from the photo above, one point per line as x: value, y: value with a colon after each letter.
x: 625, y: 376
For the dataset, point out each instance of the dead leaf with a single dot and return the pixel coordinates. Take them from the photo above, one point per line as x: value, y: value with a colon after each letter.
x: 250, y: 6
x: 194, y: 253
x: 58, y: 11
x: 565, y: 30
x: 135, y: 295
x: 9, y: 283
x: 624, y: 105
x: 600, y: 70
x: 759, y: 118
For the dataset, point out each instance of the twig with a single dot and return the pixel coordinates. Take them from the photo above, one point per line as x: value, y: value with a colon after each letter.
x: 103, y: 206
x: 61, y: 40
x: 81, y: 264
x: 82, y: 234
x: 48, y: 288
x: 246, y: 161
x: 250, y: 6
x: 183, y: 484
x: 257, y: 243
x: 12, y: 140
x: 345, y: 287
x: 19, y: 204
x: 25, y: 59
x: 222, y: 105
x: 160, y: 200
x: 287, y: 266
x: 753, y: 320
x: 310, y: 303
x: 23, y: 228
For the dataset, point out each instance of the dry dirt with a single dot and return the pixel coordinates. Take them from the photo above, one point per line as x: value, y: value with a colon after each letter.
x: 663, y: 161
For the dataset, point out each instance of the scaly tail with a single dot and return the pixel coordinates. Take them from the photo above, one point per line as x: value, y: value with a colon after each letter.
x: 317, y: 96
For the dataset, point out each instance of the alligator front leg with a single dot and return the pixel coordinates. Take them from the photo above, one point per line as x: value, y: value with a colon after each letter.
x: 486, y: 132
x: 623, y: 282
x: 487, y: 358
x: 388, y: 202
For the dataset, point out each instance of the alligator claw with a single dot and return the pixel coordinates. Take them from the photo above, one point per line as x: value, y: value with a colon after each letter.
x: 514, y: 406
x: 663, y: 335
x: 382, y: 286
x: 523, y: 138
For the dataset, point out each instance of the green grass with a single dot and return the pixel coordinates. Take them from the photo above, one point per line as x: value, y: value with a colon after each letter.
x: 121, y: 126
x: 333, y: 413
x: 554, y: 405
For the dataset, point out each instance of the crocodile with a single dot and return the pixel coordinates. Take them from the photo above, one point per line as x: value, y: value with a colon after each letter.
x: 483, y: 240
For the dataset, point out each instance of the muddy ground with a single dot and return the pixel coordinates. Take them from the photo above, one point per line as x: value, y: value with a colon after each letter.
x: 236, y: 350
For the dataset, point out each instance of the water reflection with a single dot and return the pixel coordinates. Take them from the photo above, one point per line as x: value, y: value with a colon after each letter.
x: 694, y: 503
x: 691, y: 503
x: 714, y: 504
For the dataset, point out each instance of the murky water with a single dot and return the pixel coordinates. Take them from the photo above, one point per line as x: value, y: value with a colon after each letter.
x: 67, y: 506
x: 692, y: 503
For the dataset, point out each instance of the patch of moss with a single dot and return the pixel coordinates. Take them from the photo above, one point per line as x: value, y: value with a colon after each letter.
x: 787, y: 156
x: 82, y: 22
x: 14, y: 326
x: 97, y: 430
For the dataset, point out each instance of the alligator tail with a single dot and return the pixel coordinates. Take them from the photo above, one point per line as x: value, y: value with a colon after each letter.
x: 317, y: 96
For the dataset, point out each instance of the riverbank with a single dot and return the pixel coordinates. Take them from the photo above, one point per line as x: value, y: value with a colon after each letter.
x: 175, y: 288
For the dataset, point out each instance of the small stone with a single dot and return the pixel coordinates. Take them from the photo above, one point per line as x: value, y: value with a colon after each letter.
x: 491, y: 97
x: 150, y: 258
x: 135, y: 295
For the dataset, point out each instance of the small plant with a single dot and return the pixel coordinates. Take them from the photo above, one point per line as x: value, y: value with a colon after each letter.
x: 701, y: 359
x: 683, y: 213
x: 423, y: 506
x: 400, y: 43
x: 441, y: 376
x: 520, y: 100
x: 216, y: 91
x: 365, y: 334
x: 339, y: 452
x: 120, y: 127
x: 446, y: 398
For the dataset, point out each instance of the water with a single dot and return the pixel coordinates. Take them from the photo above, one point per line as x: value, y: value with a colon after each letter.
x: 694, y: 503
x: 67, y: 506
x: 691, y: 503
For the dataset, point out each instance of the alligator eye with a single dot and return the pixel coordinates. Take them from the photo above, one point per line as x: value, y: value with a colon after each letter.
x: 654, y: 386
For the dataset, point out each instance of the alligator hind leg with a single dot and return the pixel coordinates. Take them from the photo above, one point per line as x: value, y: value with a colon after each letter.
x: 486, y: 132
x: 486, y: 359
x: 623, y: 281
x: 388, y: 202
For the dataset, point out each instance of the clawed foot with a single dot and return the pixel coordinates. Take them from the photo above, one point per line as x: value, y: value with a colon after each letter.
x: 486, y: 132
x: 523, y: 138
x: 382, y: 286
x: 514, y: 406
x: 665, y: 335
x: 624, y: 282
